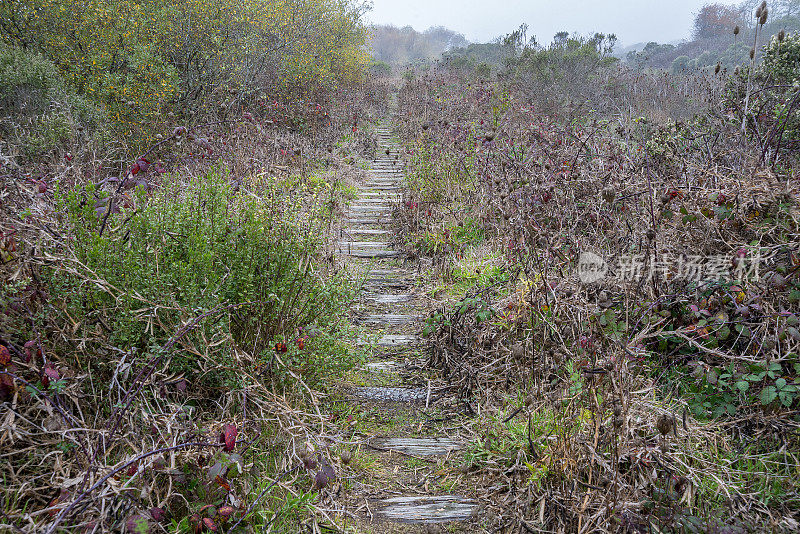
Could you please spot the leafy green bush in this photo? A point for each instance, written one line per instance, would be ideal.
(27, 81)
(782, 59)
(193, 246)
(39, 109)
(680, 64)
(143, 60)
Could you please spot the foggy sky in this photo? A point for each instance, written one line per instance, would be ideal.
(632, 20)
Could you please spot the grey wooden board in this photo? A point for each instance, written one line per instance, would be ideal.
(417, 446)
(382, 214)
(391, 272)
(378, 284)
(389, 298)
(424, 509)
(376, 254)
(364, 244)
(374, 209)
(383, 366)
(369, 231)
(391, 394)
(364, 220)
(394, 340)
(386, 285)
(391, 188)
(375, 203)
(389, 319)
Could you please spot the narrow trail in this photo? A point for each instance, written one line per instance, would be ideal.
(408, 467)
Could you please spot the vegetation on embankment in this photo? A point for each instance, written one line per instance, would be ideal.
(169, 307)
(616, 257)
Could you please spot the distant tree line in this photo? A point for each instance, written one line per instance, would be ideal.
(722, 35)
(403, 46)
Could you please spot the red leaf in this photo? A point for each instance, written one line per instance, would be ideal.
(158, 514)
(229, 433)
(6, 388)
(222, 483)
(51, 373)
(225, 512)
(5, 356)
(48, 375)
(209, 524)
(60, 498)
(132, 469)
(31, 349)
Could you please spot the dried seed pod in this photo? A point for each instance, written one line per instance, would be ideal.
(736, 30)
(717, 68)
(763, 19)
(758, 12)
(781, 36)
(346, 456)
(664, 424)
(752, 53)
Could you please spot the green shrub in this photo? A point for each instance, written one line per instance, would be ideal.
(40, 111)
(380, 68)
(782, 60)
(27, 81)
(193, 246)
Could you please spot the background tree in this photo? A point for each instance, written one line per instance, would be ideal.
(714, 20)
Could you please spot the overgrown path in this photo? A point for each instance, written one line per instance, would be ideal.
(410, 443)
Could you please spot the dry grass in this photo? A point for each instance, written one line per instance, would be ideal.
(587, 416)
(94, 435)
